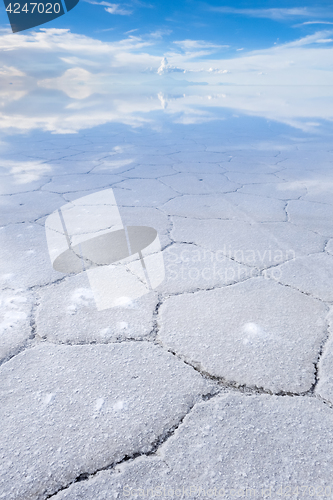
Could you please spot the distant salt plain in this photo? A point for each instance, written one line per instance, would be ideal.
(217, 383)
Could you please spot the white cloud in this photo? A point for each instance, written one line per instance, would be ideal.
(63, 44)
(324, 40)
(189, 45)
(308, 40)
(312, 22)
(112, 8)
(106, 29)
(194, 49)
(10, 71)
(277, 14)
(165, 67)
(160, 33)
(115, 10)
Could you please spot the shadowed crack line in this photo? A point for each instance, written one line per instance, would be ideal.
(154, 447)
(228, 385)
(24, 347)
(316, 364)
(28, 344)
(308, 294)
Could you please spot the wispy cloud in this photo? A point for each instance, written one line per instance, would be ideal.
(143, 4)
(106, 29)
(324, 40)
(193, 49)
(319, 37)
(277, 14)
(188, 45)
(112, 8)
(312, 22)
(62, 42)
(160, 33)
(197, 48)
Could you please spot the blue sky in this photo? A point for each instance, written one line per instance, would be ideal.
(239, 24)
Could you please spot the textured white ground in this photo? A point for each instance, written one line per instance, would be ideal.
(217, 384)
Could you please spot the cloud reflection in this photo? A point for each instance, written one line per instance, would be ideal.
(93, 82)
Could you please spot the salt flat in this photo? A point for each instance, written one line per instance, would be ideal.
(219, 382)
